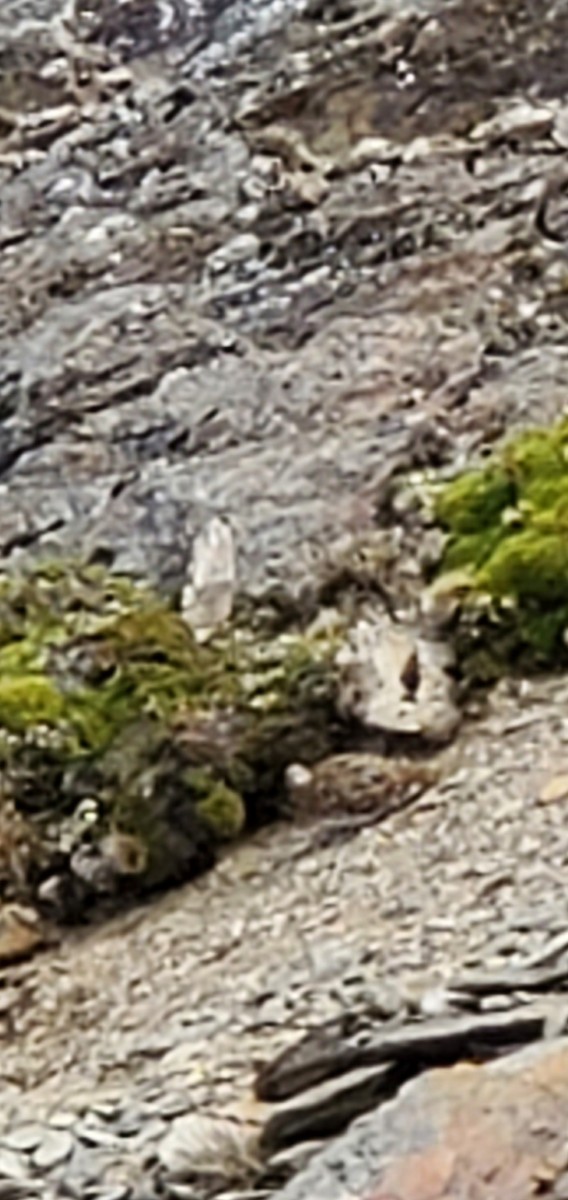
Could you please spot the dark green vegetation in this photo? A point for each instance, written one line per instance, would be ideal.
(128, 751)
(507, 553)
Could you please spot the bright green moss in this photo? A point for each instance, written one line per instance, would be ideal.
(29, 700)
(472, 503)
(220, 806)
(508, 527)
(54, 598)
(223, 811)
(529, 566)
(471, 549)
(536, 456)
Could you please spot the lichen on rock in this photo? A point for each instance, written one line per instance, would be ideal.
(505, 565)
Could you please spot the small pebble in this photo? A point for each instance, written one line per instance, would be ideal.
(26, 1137)
(56, 1146)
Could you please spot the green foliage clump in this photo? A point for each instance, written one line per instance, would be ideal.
(108, 701)
(220, 806)
(474, 502)
(28, 700)
(507, 526)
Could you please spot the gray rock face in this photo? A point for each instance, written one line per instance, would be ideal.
(257, 258)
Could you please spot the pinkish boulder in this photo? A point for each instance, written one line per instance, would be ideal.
(493, 1132)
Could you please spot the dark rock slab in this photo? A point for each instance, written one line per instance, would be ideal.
(328, 1109)
(328, 1052)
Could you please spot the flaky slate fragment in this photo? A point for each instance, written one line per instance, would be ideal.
(328, 1052)
(516, 979)
(329, 1108)
(496, 1131)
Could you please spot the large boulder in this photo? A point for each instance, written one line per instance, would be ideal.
(496, 1132)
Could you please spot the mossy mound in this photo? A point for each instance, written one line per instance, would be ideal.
(507, 553)
(129, 751)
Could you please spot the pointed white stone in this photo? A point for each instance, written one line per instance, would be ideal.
(207, 601)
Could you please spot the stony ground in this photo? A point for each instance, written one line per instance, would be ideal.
(164, 1011)
(254, 276)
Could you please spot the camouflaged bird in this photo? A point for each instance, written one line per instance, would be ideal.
(357, 784)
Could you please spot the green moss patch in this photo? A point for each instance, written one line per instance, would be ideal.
(118, 729)
(507, 526)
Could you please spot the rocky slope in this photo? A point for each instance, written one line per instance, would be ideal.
(260, 259)
(111, 1036)
(256, 275)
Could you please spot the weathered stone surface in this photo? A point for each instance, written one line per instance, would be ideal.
(496, 1131)
(395, 681)
(260, 257)
(207, 601)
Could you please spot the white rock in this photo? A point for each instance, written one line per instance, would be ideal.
(25, 1137)
(438, 1002)
(244, 247)
(208, 600)
(560, 130)
(11, 1165)
(394, 680)
(299, 782)
(521, 117)
(202, 1145)
(56, 1146)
